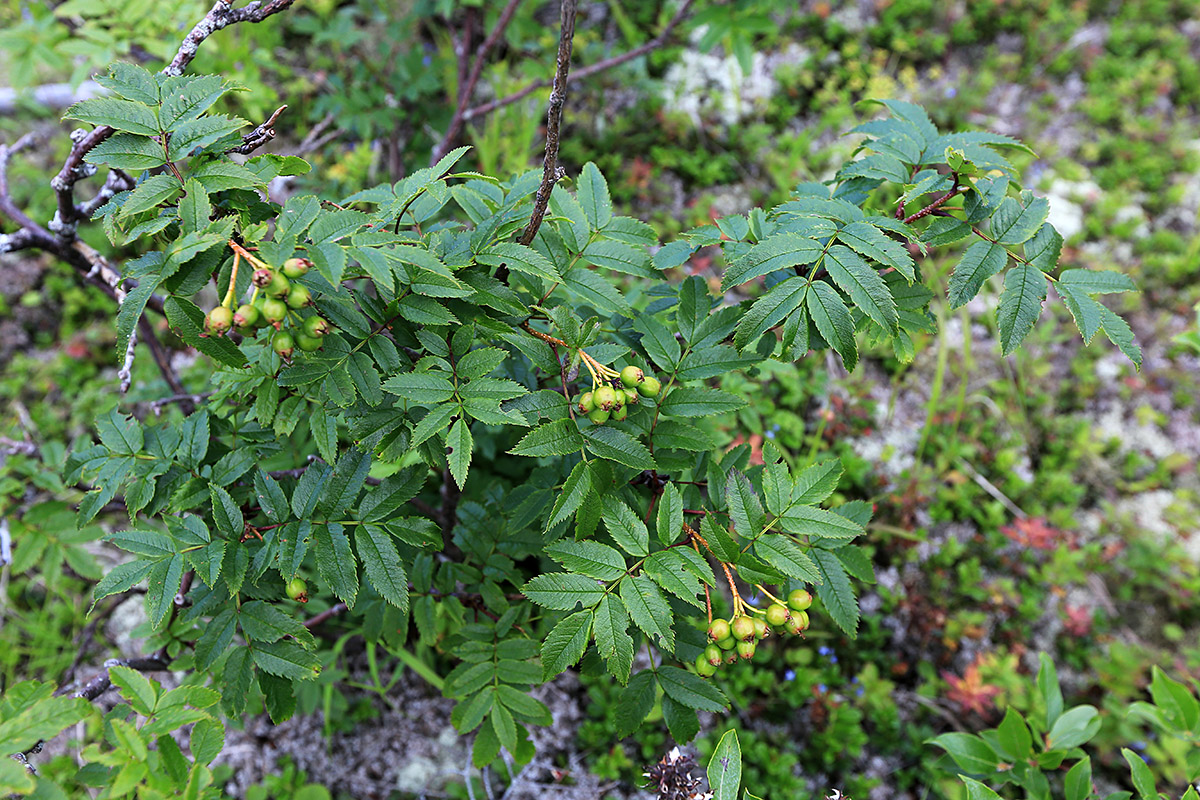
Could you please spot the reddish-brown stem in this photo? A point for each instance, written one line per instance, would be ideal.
(936, 204)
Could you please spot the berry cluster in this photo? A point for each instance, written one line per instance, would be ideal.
(611, 401)
(276, 301)
(738, 637)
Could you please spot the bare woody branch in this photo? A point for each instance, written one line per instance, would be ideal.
(558, 98)
(467, 87)
(259, 136)
(584, 72)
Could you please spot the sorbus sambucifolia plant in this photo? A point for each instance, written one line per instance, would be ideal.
(398, 412)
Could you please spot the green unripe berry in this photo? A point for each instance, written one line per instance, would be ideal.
(798, 623)
(742, 628)
(777, 615)
(760, 627)
(619, 413)
(297, 589)
(599, 416)
(587, 403)
(605, 397)
(631, 376)
(746, 650)
(308, 343)
(274, 311)
(799, 600)
(247, 316)
(317, 327)
(731, 657)
(278, 287)
(713, 655)
(651, 387)
(283, 344)
(262, 277)
(728, 643)
(295, 267)
(704, 669)
(299, 297)
(631, 396)
(718, 629)
(618, 398)
(218, 321)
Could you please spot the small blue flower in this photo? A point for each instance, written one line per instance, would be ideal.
(854, 679)
(777, 427)
(860, 691)
(427, 60)
(770, 434)
(1139, 745)
(823, 650)
(790, 675)
(821, 688)
(951, 91)
(833, 659)
(753, 600)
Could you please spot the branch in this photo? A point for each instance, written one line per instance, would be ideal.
(219, 16)
(162, 359)
(467, 88)
(100, 683)
(327, 614)
(586, 72)
(558, 98)
(259, 136)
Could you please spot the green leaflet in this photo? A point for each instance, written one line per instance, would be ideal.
(833, 321)
(1020, 305)
(981, 261)
(864, 285)
(835, 591)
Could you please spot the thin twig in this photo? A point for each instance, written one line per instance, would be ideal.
(467, 88)
(259, 136)
(585, 72)
(558, 98)
(327, 614)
